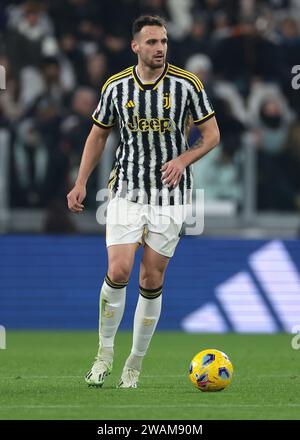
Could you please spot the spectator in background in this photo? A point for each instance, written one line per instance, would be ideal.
(201, 65)
(69, 47)
(273, 128)
(243, 52)
(291, 163)
(96, 71)
(67, 15)
(118, 22)
(290, 41)
(51, 79)
(30, 33)
(260, 92)
(196, 41)
(91, 37)
(247, 54)
(49, 119)
(11, 104)
(232, 128)
(6, 139)
(221, 27)
(40, 168)
(116, 40)
(155, 7)
(221, 173)
(55, 85)
(74, 131)
(29, 165)
(274, 188)
(118, 51)
(181, 17)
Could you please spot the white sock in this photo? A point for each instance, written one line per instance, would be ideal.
(111, 305)
(146, 317)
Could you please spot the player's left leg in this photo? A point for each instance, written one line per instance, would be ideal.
(147, 313)
(164, 226)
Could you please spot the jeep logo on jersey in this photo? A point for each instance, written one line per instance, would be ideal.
(162, 125)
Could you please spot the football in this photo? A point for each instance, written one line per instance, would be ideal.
(211, 370)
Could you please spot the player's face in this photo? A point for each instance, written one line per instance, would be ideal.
(151, 46)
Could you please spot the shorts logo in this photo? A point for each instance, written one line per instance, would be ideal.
(167, 100)
(162, 125)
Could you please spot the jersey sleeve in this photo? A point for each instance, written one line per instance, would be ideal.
(200, 106)
(105, 115)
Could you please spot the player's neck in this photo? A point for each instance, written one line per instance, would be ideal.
(147, 75)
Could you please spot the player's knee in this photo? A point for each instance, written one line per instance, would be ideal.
(151, 279)
(119, 272)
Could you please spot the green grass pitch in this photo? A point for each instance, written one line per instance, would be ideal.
(42, 377)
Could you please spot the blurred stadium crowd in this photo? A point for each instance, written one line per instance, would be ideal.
(57, 54)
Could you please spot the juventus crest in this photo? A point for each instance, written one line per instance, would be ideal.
(167, 100)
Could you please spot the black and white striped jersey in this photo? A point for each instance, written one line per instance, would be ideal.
(152, 121)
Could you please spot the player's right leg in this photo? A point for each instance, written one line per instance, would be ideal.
(111, 308)
(124, 229)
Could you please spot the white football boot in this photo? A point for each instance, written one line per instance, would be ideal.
(101, 368)
(129, 378)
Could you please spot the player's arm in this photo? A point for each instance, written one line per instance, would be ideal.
(210, 136)
(92, 152)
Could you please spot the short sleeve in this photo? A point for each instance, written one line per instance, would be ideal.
(105, 115)
(200, 106)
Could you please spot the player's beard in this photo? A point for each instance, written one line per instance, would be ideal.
(154, 63)
(159, 62)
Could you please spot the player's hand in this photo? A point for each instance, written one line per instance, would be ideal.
(172, 172)
(76, 197)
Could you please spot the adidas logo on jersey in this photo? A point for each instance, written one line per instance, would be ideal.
(129, 104)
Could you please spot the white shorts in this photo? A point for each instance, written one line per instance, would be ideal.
(159, 227)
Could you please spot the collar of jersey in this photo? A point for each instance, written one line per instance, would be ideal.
(149, 86)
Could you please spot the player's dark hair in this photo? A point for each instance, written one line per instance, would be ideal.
(147, 20)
